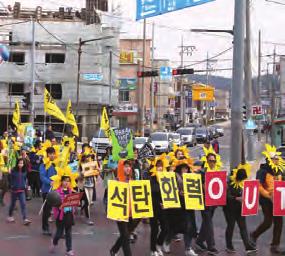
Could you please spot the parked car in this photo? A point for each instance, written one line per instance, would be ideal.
(202, 135)
(220, 130)
(100, 142)
(140, 141)
(161, 142)
(175, 138)
(188, 136)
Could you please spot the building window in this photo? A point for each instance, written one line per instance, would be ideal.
(124, 96)
(16, 89)
(55, 57)
(17, 57)
(55, 90)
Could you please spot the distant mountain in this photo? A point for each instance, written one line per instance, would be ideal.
(218, 82)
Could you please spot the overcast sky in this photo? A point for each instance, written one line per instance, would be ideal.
(268, 17)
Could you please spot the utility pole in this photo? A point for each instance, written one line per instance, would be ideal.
(78, 77)
(259, 82)
(182, 92)
(207, 83)
(110, 76)
(32, 88)
(237, 85)
(248, 83)
(142, 95)
(273, 88)
(152, 112)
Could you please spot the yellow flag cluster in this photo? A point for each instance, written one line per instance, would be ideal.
(105, 124)
(51, 108)
(16, 115)
(70, 119)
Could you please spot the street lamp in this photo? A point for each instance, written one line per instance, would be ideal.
(81, 43)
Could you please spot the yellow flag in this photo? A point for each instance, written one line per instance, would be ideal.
(193, 191)
(141, 200)
(169, 190)
(51, 108)
(16, 115)
(118, 201)
(70, 119)
(105, 125)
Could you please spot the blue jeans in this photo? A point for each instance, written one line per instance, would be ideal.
(22, 198)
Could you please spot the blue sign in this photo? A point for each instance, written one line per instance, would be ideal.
(127, 83)
(250, 125)
(151, 8)
(165, 73)
(93, 77)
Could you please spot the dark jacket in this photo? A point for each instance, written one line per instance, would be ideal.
(35, 160)
(155, 193)
(18, 179)
(49, 135)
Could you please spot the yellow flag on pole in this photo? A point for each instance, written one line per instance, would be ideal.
(51, 108)
(70, 119)
(16, 115)
(105, 125)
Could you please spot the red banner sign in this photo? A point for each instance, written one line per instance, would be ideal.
(216, 188)
(71, 200)
(279, 198)
(250, 198)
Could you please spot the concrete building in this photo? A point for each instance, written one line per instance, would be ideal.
(222, 104)
(57, 35)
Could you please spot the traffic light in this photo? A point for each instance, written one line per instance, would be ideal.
(147, 73)
(182, 71)
(244, 118)
(26, 100)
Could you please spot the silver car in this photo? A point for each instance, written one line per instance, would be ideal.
(161, 142)
(188, 136)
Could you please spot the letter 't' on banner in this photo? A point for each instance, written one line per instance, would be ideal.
(279, 198)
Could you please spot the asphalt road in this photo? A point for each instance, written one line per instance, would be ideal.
(16, 239)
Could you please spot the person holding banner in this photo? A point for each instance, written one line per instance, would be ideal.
(158, 225)
(233, 209)
(123, 226)
(206, 233)
(63, 215)
(268, 173)
(47, 169)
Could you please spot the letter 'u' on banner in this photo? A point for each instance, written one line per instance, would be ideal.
(250, 198)
(118, 201)
(168, 190)
(141, 200)
(216, 188)
(279, 198)
(193, 191)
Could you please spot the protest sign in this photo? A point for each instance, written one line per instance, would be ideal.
(141, 200)
(90, 169)
(216, 188)
(193, 191)
(146, 151)
(118, 201)
(122, 142)
(279, 198)
(71, 200)
(168, 190)
(250, 198)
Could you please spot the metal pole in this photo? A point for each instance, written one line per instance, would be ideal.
(142, 87)
(248, 83)
(152, 112)
(206, 102)
(110, 77)
(32, 117)
(237, 85)
(78, 77)
(182, 93)
(273, 88)
(259, 82)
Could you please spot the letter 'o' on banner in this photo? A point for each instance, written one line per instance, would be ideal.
(279, 198)
(250, 198)
(216, 188)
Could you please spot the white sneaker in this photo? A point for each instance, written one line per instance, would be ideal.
(159, 250)
(190, 252)
(154, 253)
(10, 219)
(166, 247)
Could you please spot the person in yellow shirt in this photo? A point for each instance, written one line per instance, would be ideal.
(4, 181)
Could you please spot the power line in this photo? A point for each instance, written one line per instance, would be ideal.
(275, 2)
(14, 23)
